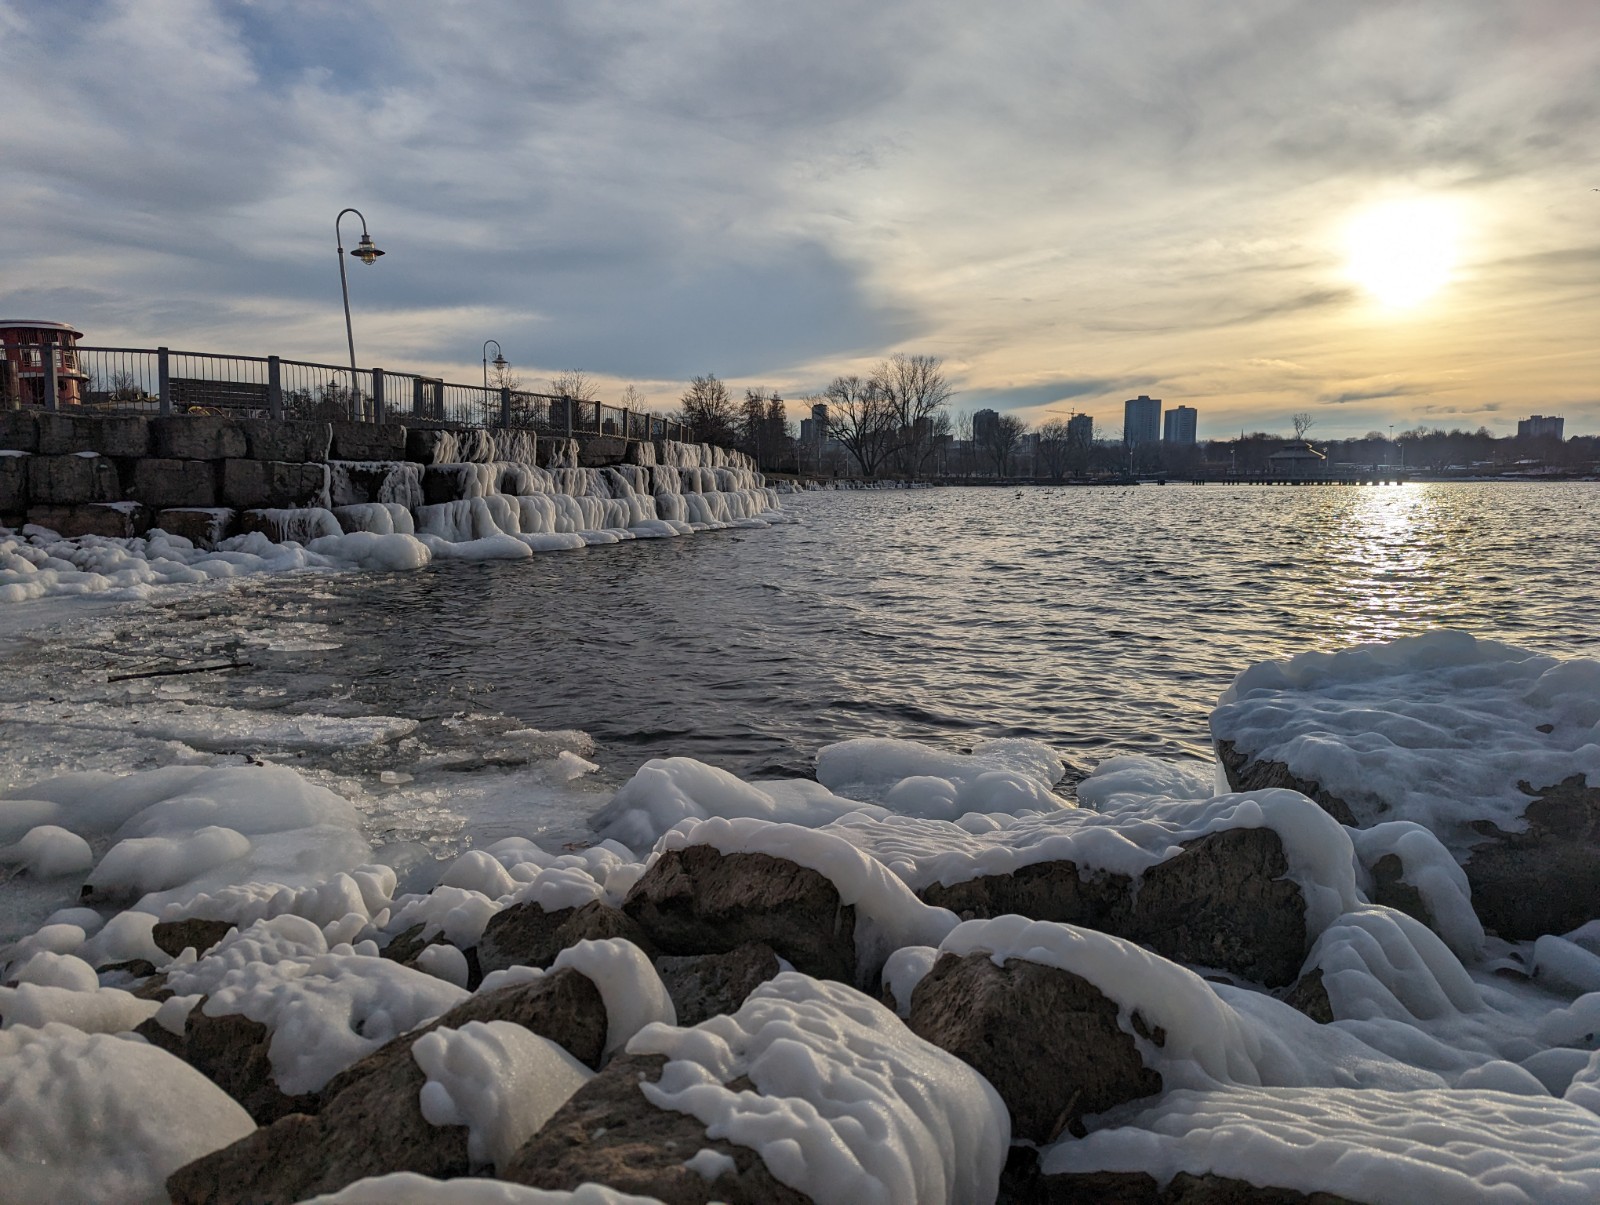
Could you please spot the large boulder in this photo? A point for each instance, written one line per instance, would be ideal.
(432, 445)
(697, 900)
(703, 986)
(174, 936)
(250, 484)
(369, 1121)
(299, 526)
(117, 520)
(1057, 891)
(1225, 902)
(197, 437)
(597, 451)
(202, 526)
(609, 1133)
(527, 935)
(1546, 878)
(368, 441)
(231, 1051)
(162, 483)
(19, 430)
(62, 432)
(1048, 1040)
(293, 440)
(72, 480)
(13, 482)
(1247, 773)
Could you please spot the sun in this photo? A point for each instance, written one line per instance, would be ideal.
(1403, 251)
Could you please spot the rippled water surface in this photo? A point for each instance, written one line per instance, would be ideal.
(1096, 619)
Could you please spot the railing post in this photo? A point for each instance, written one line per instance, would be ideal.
(52, 384)
(164, 380)
(627, 424)
(570, 404)
(438, 401)
(418, 405)
(505, 407)
(274, 388)
(377, 395)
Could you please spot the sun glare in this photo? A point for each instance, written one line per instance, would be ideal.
(1402, 252)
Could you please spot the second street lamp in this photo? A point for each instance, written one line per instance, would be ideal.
(500, 361)
(366, 252)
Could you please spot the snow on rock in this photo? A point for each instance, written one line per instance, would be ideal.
(848, 1105)
(324, 1008)
(499, 1080)
(406, 1188)
(633, 992)
(913, 779)
(1128, 778)
(87, 1117)
(1420, 1147)
(49, 851)
(1404, 864)
(1437, 729)
(666, 791)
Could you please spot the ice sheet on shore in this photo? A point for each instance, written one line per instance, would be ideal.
(1438, 728)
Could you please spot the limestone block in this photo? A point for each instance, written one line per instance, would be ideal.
(293, 440)
(283, 526)
(256, 484)
(72, 480)
(116, 520)
(201, 526)
(13, 482)
(163, 483)
(197, 437)
(432, 445)
(519, 446)
(597, 451)
(61, 432)
(368, 441)
(19, 430)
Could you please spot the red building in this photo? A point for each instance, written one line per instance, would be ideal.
(24, 348)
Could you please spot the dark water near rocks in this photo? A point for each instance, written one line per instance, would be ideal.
(1099, 620)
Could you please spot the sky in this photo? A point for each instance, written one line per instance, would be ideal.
(1378, 213)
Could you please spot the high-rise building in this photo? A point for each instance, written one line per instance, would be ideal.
(1177, 425)
(1080, 430)
(1141, 420)
(983, 425)
(1541, 426)
(814, 430)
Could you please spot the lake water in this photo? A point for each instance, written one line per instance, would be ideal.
(1099, 620)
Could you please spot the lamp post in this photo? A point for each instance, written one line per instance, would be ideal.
(499, 359)
(366, 253)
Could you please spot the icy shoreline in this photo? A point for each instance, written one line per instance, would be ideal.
(923, 975)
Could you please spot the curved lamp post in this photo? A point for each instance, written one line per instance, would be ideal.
(500, 360)
(366, 252)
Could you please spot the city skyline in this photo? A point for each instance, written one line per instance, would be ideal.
(1380, 215)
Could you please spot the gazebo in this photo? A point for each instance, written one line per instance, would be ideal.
(26, 347)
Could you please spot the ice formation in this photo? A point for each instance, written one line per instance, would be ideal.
(852, 1106)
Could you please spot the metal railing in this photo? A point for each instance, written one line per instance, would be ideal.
(159, 380)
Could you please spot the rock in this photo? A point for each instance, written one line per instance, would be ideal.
(1390, 890)
(1309, 996)
(1245, 773)
(116, 520)
(19, 430)
(1545, 879)
(13, 481)
(286, 526)
(201, 526)
(609, 1133)
(641, 452)
(197, 437)
(1055, 891)
(72, 480)
(269, 484)
(354, 483)
(161, 484)
(448, 483)
(432, 445)
(370, 1119)
(368, 441)
(295, 440)
(175, 936)
(703, 986)
(231, 1051)
(1224, 902)
(517, 446)
(526, 935)
(558, 453)
(696, 900)
(406, 945)
(1140, 1188)
(1048, 1040)
(597, 451)
(63, 432)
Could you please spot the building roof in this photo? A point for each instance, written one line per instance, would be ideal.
(38, 325)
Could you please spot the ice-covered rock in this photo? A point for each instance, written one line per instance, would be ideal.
(526, 934)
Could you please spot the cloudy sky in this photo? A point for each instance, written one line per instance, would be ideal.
(1378, 212)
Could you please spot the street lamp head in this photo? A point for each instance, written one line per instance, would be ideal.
(364, 250)
(501, 362)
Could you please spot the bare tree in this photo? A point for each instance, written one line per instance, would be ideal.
(707, 410)
(1000, 440)
(1303, 422)
(1055, 448)
(632, 399)
(915, 391)
(860, 418)
(575, 384)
